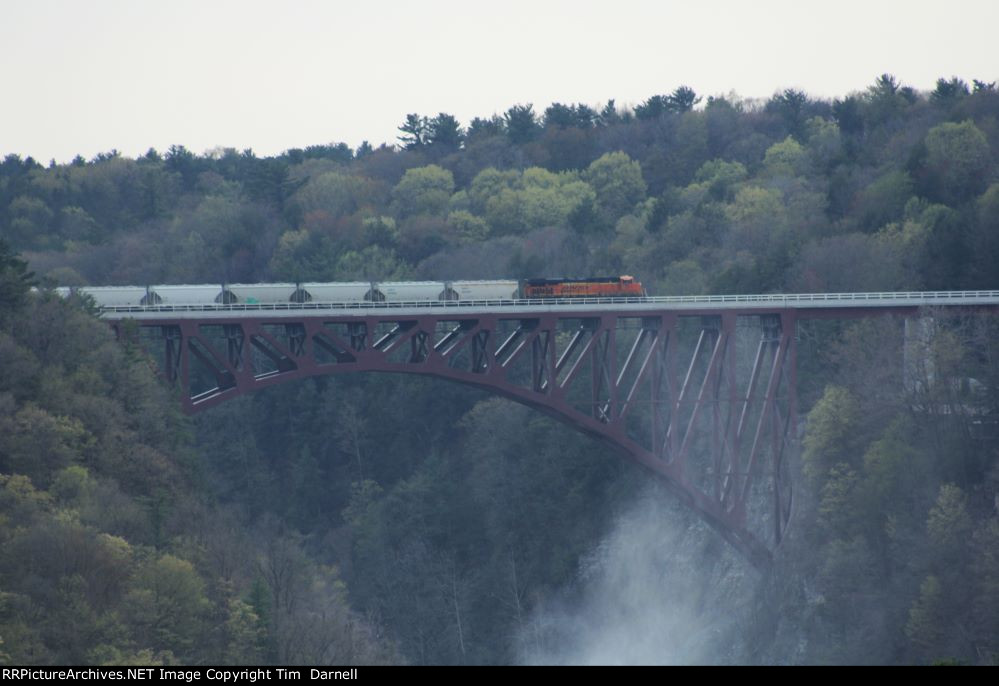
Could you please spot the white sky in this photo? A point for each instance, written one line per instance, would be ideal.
(85, 76)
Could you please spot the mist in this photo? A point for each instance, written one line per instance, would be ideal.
(661, 588)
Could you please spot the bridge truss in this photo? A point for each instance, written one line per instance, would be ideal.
(701, 390)
(705, 400)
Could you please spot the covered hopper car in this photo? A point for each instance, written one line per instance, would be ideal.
(356, 292)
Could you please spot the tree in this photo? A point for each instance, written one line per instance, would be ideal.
(653, 108)
(683, 100)
(985, 238)
(414, 131)
(847, 113)
(617, 181)
(609, 114)
(884, 200)
(373, 263)
(521, 124)
(423, 190)
(957, 162)
(182, 161)
(721, 177)
(487, 184)
(927, 626)
(444, 132)
(851, 261)
(886, 99)
(985, 566)
(569, 116)
(559, 115)
(947, 92)
(266, 180)
(831, 435)
(679, 101)
(466, 227)
(758, 219)
(15, 282)
(335, 193)
(167, 606)
(885, 85)
(586, 116)
(787, 158)
(790, 106)
(949, 525)
(31, 222)
(339, 152)
(481, 128)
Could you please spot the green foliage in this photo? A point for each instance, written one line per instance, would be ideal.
(825, 142)
(106, 502)
(38, 444)
(445, 133)
(373, 263)
(720, 177)
(791, 107)
(957, 162)
(885, 199)
(30, 221)
(684, 277)
(949, 526)
(679, 101)
(521, 124)
(829, 439)
(333, 193)
(414, 131)
(424, 190)
(512, 202)
(787, 158)
(926, 626)
(886, 99)
(466, 227)
(948, 91)
(95, 473)
(894, 472)
(15, 282)
(167, 606)
(757, 217)
(380, 230)
(984, 240)
(617, 181)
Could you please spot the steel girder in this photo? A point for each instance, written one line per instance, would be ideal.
(705, 400)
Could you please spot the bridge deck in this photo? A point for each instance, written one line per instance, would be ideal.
(803, 303)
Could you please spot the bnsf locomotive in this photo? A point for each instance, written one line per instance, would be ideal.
(610, 287)
(359, 291)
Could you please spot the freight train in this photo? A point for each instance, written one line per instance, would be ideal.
(357, 292)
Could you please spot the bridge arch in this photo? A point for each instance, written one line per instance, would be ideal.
(704, 400)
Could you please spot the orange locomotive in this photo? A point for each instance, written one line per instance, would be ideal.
(609, 287)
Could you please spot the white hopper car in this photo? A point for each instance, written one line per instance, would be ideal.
(274, 293)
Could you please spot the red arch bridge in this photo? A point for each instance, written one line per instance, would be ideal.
(700, 390)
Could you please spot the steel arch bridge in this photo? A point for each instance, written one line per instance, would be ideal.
(700, 390)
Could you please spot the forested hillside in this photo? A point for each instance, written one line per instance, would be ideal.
(334, 521)
(113, 553)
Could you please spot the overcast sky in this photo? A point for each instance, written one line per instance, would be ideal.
(85, 76)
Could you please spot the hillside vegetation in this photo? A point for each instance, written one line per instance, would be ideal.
(365, 519)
